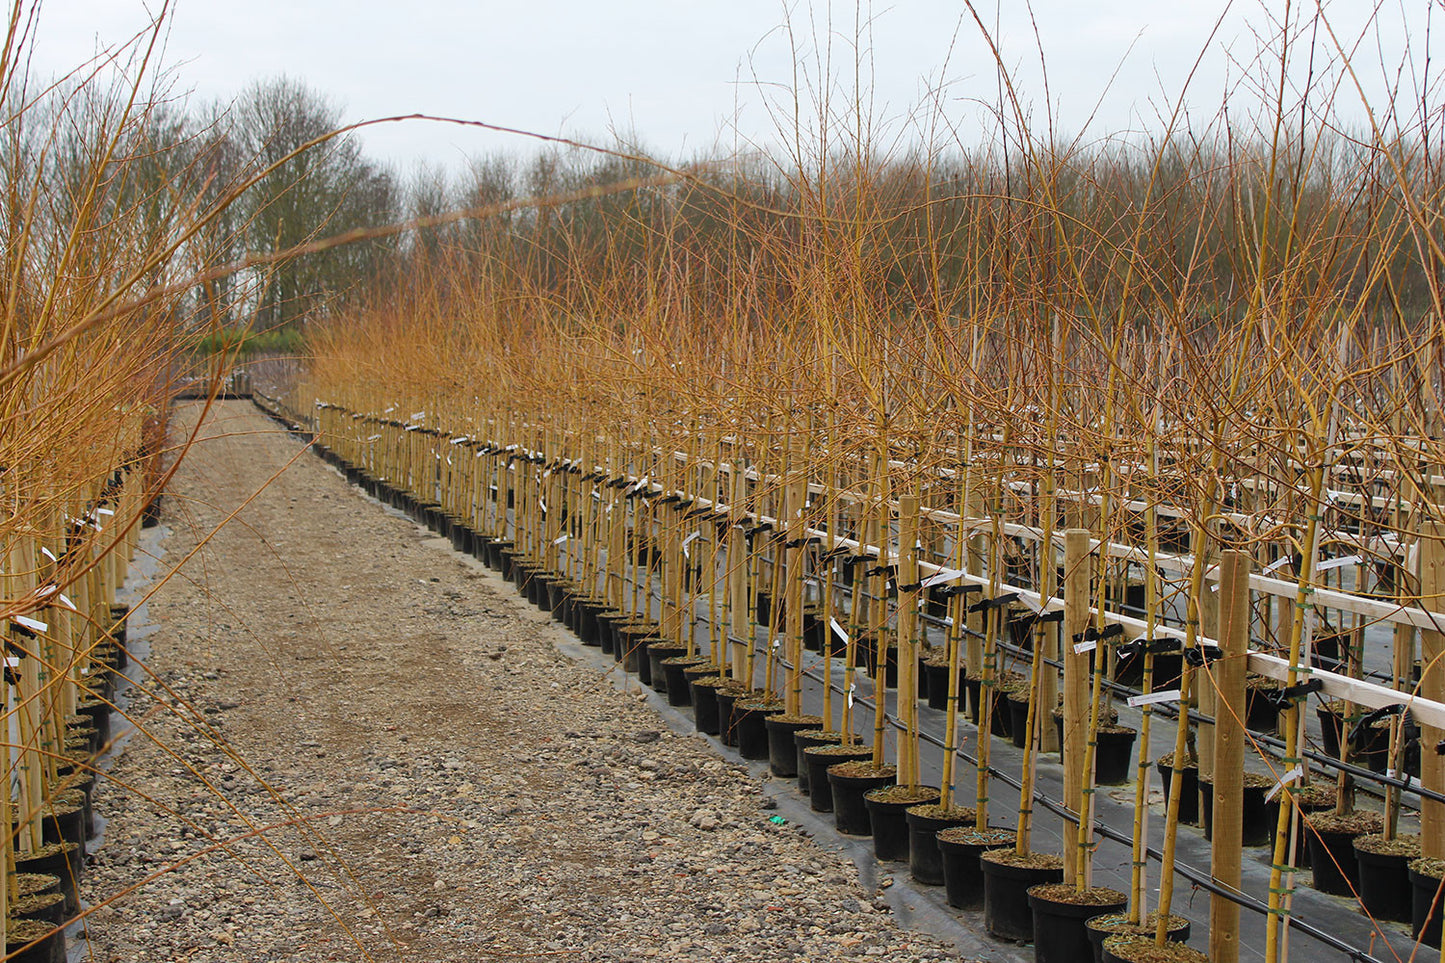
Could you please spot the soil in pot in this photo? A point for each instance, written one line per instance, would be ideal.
(41, 907)
(750, 720)
(1331, 840)
(45, 941)
(1130, 948)
(818, 759)
(704, 702)
(960, 848)
(782, 750)
(1007, 877)
(1315, 798)
(888, 816)
(1060, 912)
(1384, 868)
(925, 861)
(1427, 903)
(1108, 716)
(1100, 928)
(850, 782)
(676, 682)
(1188, 792)
(1258, 817)
(625, 637)
(56, 859)
(806, 739)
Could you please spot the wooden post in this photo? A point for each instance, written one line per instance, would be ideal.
(1077, 578)
(1228, 768)
(908, 638)
(737, 577)
(1432, 686)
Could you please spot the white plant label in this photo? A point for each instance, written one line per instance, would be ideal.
(688, 541)
(1328, 564)
(1081, 647)
(1167, 695)
(34, 625)
(1289, 777)
(105, 511)
(543, 503)
(65, 601)
(46, 591)
(48, 554)
(560, 539)
(850, 694)
(1277, 563)
(838, 630)
(943, 575)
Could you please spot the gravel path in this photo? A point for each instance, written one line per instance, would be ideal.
(360, 748)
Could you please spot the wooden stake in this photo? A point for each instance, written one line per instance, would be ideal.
(1228, 768)
(1077, 578)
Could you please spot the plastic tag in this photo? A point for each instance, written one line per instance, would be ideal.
(1167, 695)
(34, 625)
(1328, 564)
(560, 539)
(838, 630)
(1081, 647)
(1285, 780)
(943, 575)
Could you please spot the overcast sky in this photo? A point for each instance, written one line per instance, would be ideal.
(684, 75)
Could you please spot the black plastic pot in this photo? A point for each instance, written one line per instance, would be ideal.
(1188, 791)
(558, 591)
(1129, 671)
(925, 861)
(726, 699)
(960, 849)
(806, 739)
(1006, 911)
(1425, 911)
(999, 722)
(1332, 857)
(605, 620)
(750, 721)
(1113, 755)
(1018, 717)
(656, 655)
(889, 821)
(704, 706)
(820, 789)
(937, 676)
(850, 809)
(46, 944)
(890, 669)
(640, 662)
(63, 860)
(782, 750)
(1098, 928)
(674, 679)
(99, 714)
(1261, 712)
(1258, 816)
(1060, 935)
(1385, 889)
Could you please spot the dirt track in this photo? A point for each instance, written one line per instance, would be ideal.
(358, 746)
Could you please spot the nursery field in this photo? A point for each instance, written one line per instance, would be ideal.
(360, 747)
